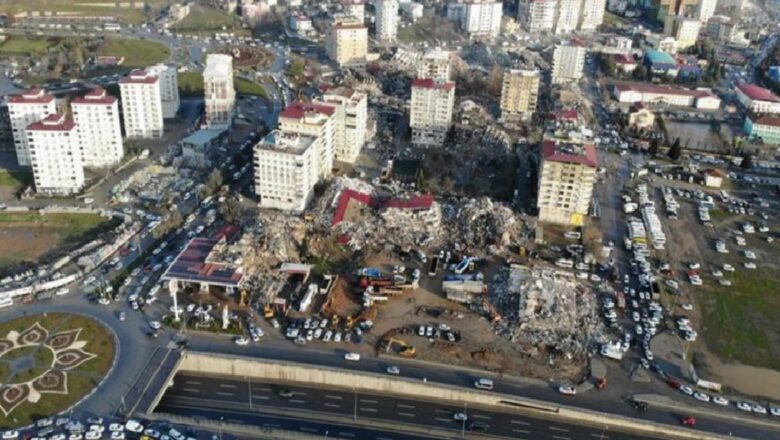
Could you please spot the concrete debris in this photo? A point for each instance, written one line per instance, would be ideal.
(546, 310)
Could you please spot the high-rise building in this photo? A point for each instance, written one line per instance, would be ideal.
(537, 15)
(478, 17)
(386, 24)
(568, 172)
(568, 16)
(431, 111)
(356, 9)
(286, 170)
(218, 90)
(350, 122)
(347, 42)
(519, 94)
(141, 105)
(706, 9)
(317, 120)
(670, 8)
(55, 155)
(96, 115)
(30, 106)
(169, 88)
(592, 14)
(684, 30)
(435, 65)
(568, 61)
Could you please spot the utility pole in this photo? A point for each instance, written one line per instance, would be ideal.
(354, 405)
(465, 416)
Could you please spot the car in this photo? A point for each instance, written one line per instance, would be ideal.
(459, 417)
(483, 384)
(758, 409)
(62, 291)
(104, 301)
(310, 335)
(89, 280)
(717, 274)
(285, 393)
(93, 435)
(393, 370)
(74, 426)
(326, 337)
(567, 390)
(274, 323)
(241, 340)
(687, 306)
(76, 436)
(744, 406)
(774, 411)
(42, 423)
(122, 316)
(718, 400)
(728, 268)
(10, 435)
(117, 435)
(477, 426)
(337, 337)
(354, 357)
(672, 283)
(96, 427)
(749, 265)
(58, 437)
(724, 282)
(153, 433)
(685, 389)
(114, 427)
(155, 325)
(701, 396)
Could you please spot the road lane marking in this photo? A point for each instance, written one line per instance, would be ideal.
(221, 393)
(443, 411)
(560, 437)
(347, 434)
(405, 414)
(226, 385)
(300, 393)
(479, 416)
(334, 397)
(368, 409)
(521, 431)
(520, 422)
(332, 405)
(240, 422)
(556, 428)
(402, 405)
(271, 425)
(600, 436)
(260, 389)
(368, 401)
(296, 401)
(261, 398)
(303, 428)
(442, 419)
(190, 390)
(193, 382)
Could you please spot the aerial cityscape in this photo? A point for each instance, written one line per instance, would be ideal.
(389, 219)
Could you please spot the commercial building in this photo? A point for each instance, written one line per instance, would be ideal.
(624, 62)
(685, 30)
(568, 16)
(169, 88)
(592, 14)
(30, 106)
(537, 15)
(317, 120)
(431, 111)
(757, 99)
(568, 62)
(347, 42)
(702, 99)
(435, 65)
(765, 128)
(477, 17)
(350, 122)
(141, 105)
(568, 172)
(96, 115)
(218, 90)
(386, 24)
(519, 94)
(55, 155)
(661, 63)
(722, 29)
(706, 9)
(286, 170)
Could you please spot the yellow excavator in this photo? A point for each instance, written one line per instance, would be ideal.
(268, 312)
(404, 349)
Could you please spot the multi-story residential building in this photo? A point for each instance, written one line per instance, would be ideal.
(219, 92)
(141, 105)
(685, 30)
(537, 15)
(286, 170)
(568, 16)
(765, 128)
(356, 9)
(96, 115)
(592, 14)
(670, 8)
(519, 93)
(386, 24)
(347, 42)
(568, 62)
(757, 99)
(55, 155)
(722, 29)
(568, 172)
(431, 111)
(477, 17)
(169, 88)
(30, 106)
(435, 65)
(350, 122)
(706, 9)
(317, 120)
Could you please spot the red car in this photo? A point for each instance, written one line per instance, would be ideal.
(688, 421)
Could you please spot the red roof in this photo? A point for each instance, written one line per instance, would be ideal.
(32, 96)
(298, 109)
(53, 122)
(757, 93)
(553, 152)
(350, 26)
(431, 84)
(139, 77)
(621, 58)
(418, 202)
(567, 114)
(95, 96)
(665, 90)
(772, 121)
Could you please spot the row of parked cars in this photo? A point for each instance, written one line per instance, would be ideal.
(95, 428)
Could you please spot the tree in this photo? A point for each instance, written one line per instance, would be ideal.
(654, 145)
(675, 151)
(747, 161)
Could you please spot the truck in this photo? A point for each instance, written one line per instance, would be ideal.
(370, 272)
(376, 282)
(434, 267)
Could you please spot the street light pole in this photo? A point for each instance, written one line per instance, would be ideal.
(354, 405)
(465, 416)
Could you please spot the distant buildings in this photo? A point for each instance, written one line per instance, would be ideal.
(347, 42)
(141, 105)
(169, 88)
(350, 122)
(592, 14)
(386, 24)
(519, 94)
(356, 9)
(706, 9)
(568, 62)
(317, 120)
(568, 16)
(435, 65)
(431, 111)
(568, 172)
(626, 63)
(765, 128)
(669, 8)
(24, 109)
(55, 155)
(537, 15)
(219, 92)
(721, 28)
(96, 115)
(477, 17)
(685, 30)
(286, 170)
(702, 99)
(757, 99)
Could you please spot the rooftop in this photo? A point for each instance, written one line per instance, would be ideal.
(218, 64)
(658, 57)
(139, 77)
(663, 90)
(282, 142)
(772, 121)
(53, 122)
(583, 154)
(298, 110)
(757, 93)
(31, 96)
(191, 265)
(97, 95)
(428, 83)
(621, 58)
(202, 137)
(424, 201)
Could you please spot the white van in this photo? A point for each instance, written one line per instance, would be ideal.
(483, 384)
(352, 357)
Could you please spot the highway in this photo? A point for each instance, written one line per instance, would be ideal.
(242, 401)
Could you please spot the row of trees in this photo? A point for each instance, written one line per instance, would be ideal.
(675, 153)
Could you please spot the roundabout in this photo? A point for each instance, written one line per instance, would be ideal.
(49, 362)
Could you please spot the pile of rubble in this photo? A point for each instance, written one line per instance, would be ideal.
(481, 223)
(547, 311)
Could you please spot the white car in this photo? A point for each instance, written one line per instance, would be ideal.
(701, 396)
(724, 282)
(750, 255)
(750, 265)
(717, 273)
(728, 268)
(694, 266)
(96, 428)
(153, 433)
(354, 357)
(774, 411)
(460, 417)
(687, 306)
(155, 325)
(672, 283)
(758, 409)
(118, 435)
(62, 291)
(242, 340)
(93, 435)
(744, 406)
(114, 427)
(392, 369)
(720, 400)
(685, 389)
(567, 390)
(10, 435)
(76, 436)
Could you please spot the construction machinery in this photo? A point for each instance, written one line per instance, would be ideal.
(400, 347)
(268, 312)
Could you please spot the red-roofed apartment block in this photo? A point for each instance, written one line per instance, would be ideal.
(758, 99)
(568, 172)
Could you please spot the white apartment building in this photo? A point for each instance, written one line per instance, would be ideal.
(568, 62)
(169, 88)
(706, 9)
(347, 42)
(758, 99)
(317, 120)
(350, 123)
(30, 106)
(519, 94)
(386, 24)
(356, 9)
(477, 17)
(219, 92)
(568, 172)
(537, 15)
(431, 111)
(684, 30)
(141, 105)
(568, 16)
(286, 170)
(592, 14)
(55, 155)
(435, 65)
(96, 115)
